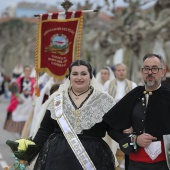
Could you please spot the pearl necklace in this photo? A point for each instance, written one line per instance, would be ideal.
(77, 95)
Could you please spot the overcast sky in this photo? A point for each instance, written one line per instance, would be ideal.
(5, 3)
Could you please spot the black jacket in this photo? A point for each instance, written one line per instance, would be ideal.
(129, 111)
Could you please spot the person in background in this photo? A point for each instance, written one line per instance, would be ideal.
(166, 80)
(21, 102)
(118, 88)
(33, 116)
(46, 87)
(4, 80)
(17, 71)
(54, 88)
(105, 75)
(2, 85)
(146, 109)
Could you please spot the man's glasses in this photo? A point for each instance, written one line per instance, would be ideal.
(154, 70)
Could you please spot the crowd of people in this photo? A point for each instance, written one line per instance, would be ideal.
(88, 122)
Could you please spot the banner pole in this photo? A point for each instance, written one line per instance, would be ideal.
(84, 11)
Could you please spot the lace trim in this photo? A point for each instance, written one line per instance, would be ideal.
(91, 112)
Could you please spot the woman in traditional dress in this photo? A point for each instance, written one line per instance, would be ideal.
(21, 102)
(84, 105)
(104, 76)
(73, 140)
(2, 86)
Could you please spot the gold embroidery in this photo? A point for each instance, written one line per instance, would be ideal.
(126, 145)
(77, 114)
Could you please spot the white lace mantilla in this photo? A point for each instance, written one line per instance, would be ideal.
(92, 111)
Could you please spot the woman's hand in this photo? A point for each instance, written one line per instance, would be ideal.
(128, 131)
(20, 101)
(27, 92)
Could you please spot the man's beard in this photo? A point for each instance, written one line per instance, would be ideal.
(150, 83)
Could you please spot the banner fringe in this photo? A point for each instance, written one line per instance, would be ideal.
(79, 37)
(37, 90)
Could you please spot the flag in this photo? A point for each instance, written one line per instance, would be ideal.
(58, 41)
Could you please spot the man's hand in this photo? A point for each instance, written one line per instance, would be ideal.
(27, 92)
(145, 139)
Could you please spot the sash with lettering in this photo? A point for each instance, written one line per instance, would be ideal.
(55, 42)
(70, 135)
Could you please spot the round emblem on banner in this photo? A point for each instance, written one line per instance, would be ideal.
(59, 44)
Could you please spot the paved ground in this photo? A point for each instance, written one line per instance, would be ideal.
(5, 152)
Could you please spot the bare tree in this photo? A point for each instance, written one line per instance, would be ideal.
(133, 28)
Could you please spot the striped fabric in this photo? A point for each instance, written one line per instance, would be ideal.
(11, 126)
(71, 14)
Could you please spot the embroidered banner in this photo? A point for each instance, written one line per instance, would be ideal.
(55, 45)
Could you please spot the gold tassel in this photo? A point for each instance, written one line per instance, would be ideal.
(37, 90)
(79, 37)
